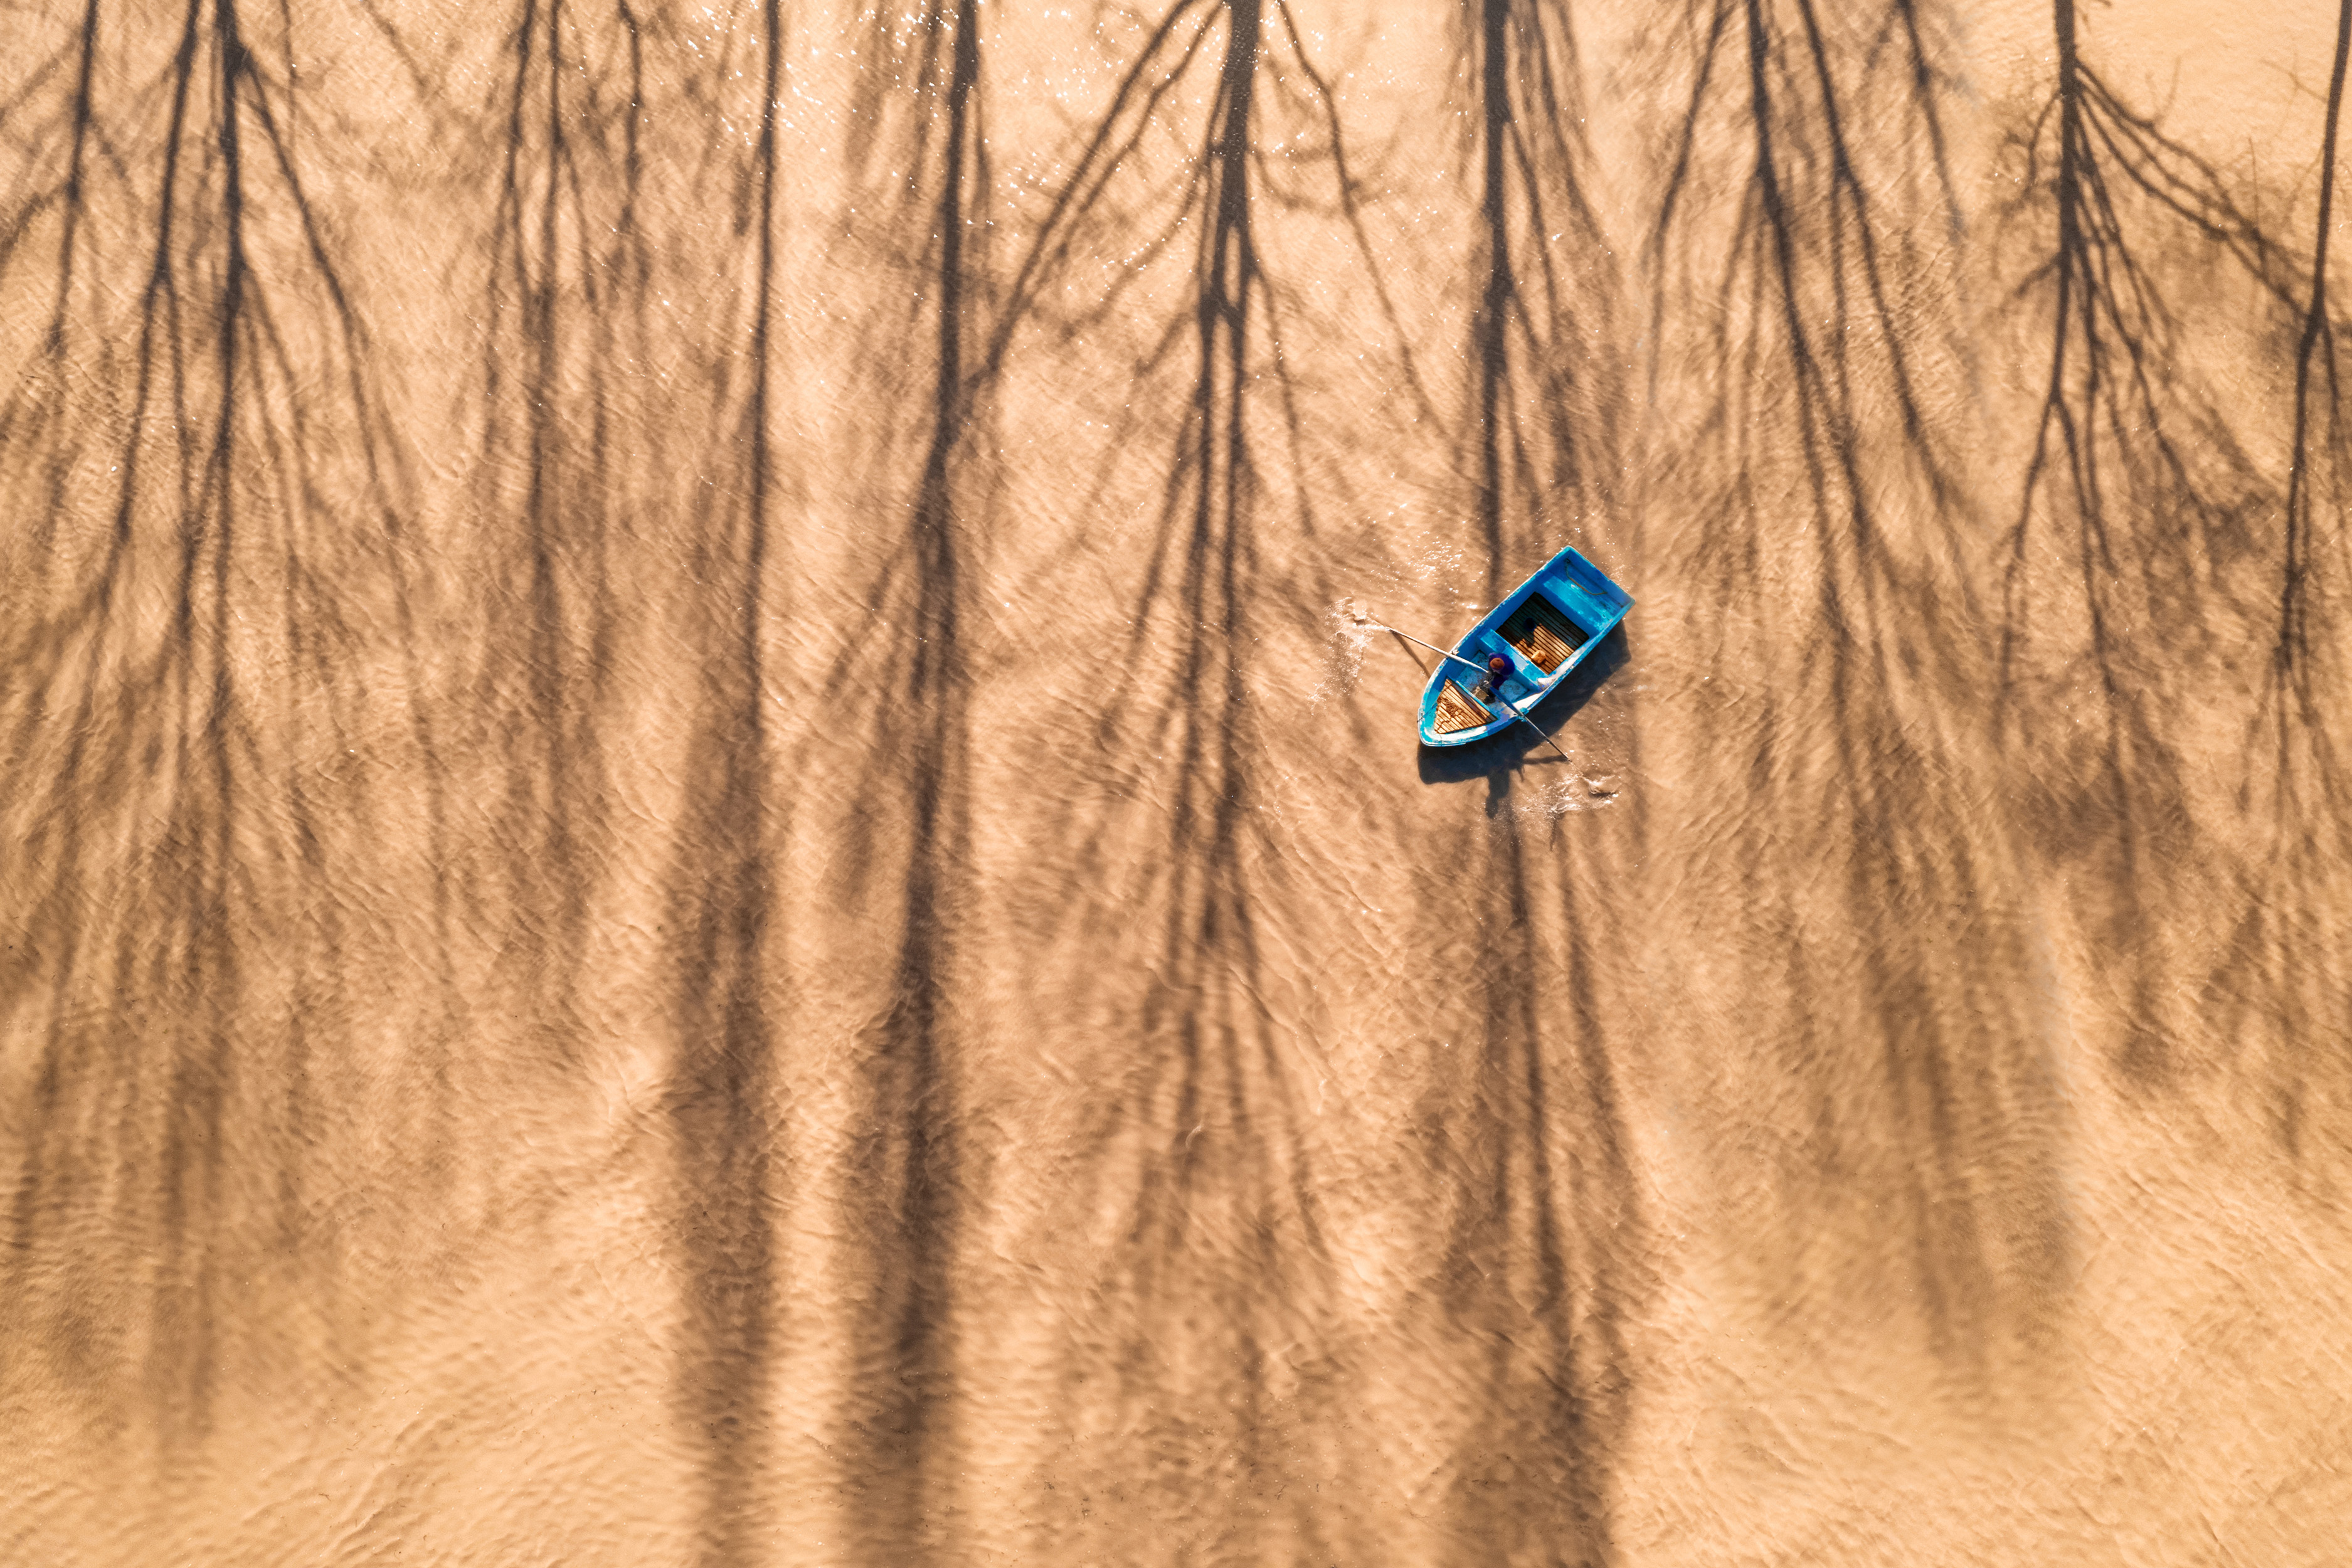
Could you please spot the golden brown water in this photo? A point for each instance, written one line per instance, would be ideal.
(704, 862)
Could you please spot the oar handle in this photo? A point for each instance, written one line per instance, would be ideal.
(1434, 648)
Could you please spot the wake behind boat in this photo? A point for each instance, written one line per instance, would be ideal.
(1543, 629)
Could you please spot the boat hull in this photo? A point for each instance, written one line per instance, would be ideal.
(1545, 626)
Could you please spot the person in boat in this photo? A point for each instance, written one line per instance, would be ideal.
(1498, 669)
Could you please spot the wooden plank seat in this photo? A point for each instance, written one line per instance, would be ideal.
(1457, 709)
(1543, 634)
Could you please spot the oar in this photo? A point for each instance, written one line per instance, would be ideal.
(1363, 620)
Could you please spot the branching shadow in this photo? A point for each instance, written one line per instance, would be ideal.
(909, 1181)
(566, 269)
(597, 457)
(175, 856)
(1527, 1288)
(1199, 1147)
(1829, 506)
(720, 885)
(2293, 892)
(2146, 502)
(1543, 345)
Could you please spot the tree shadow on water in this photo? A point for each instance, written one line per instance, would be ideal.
(2294, 893)
(1213, 1342)
(563, 273)
(1807, 286)
(719, 889)
(909, 1181)
(1535, 1232)
(188, 701)
(1533, 1212)
(2133, 564)
(2146, 596)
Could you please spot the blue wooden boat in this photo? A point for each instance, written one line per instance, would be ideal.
(1545, 627)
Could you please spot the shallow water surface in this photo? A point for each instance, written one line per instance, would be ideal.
(712, 857)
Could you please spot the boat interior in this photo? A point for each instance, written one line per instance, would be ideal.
(1543, 634)
(1539, 636)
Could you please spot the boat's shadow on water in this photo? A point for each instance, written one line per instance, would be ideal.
(1518, 746)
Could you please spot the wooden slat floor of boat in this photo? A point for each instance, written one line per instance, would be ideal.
(1457, 711)
(1542, 633)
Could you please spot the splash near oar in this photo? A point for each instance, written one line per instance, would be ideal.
(1519, 651)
